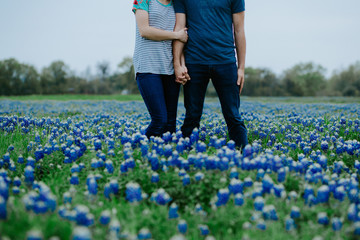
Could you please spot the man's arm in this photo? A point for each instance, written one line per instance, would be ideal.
(240, 43)
(178, 49)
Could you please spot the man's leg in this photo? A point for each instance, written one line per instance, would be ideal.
(224, 78)
(194, 96)
(171, 93)
(151, 89)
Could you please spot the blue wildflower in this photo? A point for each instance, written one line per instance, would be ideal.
(182, 226)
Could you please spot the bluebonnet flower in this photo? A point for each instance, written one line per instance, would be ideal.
(204, 230)
(6, 157)
(340, 193)
(352, 213)
(114, 185)
(92, 186)
(160, 197)
(81, 233)
(239, 199)
(15, 190)
(109, 166)
(336, 224)
(75, 168)
(123, 167)
(107, 190)
(144, 233)
(323, 194)
(30, 162)
(20, 159)
(279, 190)
(295, 212)
(248, 182)
(324, 146)
(261, 225)
(105, 217)
(29, 175)
(322, 218)
(173, 211)
(199, 176)
(236, 186)
(114, 226)
(281, 175)
(269, 213)
(223, 196)
(97, 144)
(186, 180)
(182, 226)
(234, 173)
(67, 197)
(133, 192)
(155, 177)
(290, 224)
(34, 235)
(198, 208)
(357, 228)
(83, 216)
(74, 180)
(267, 184)
(200, 147)
(259, 203)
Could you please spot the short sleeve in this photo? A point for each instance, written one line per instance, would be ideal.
(237, 6)
(141, 4)
(179, 6)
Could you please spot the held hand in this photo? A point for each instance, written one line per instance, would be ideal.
(182, 35)
(181, 75)
(241, 79)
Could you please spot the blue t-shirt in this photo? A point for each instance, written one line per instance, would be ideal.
(211, 38)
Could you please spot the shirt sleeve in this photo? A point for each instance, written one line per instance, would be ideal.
(179, 6)
(237, 6)
(141, 4)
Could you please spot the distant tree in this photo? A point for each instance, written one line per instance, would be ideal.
(10, 81)
(104, 69)
(30, 79)
(304, 79)
(261, 82)
(127, 80)
(54, 80)
(346, 82)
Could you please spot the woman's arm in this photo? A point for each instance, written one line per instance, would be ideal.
(146, 31)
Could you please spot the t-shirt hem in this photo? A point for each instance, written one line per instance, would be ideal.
(210, 63)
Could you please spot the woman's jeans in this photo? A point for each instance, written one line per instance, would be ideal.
(160, 94)
(224, 79)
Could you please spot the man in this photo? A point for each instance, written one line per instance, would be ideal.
(213, 27)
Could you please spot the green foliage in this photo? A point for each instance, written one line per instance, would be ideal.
(304, 79)
(346, 82)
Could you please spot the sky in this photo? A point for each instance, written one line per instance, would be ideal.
(82, 33)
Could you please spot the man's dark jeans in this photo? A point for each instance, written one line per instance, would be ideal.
(161, 95)
(224, 78)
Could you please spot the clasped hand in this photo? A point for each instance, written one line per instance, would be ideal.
(182, 75)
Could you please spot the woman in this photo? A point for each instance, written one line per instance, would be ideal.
(153, 62)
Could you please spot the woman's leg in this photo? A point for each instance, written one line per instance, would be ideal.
(171, 93)
(151, 89)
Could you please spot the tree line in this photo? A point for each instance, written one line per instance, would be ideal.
(304, 79)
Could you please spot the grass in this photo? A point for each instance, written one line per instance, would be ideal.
(66, 97)
(137, 97)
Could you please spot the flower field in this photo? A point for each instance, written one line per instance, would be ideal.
(84, 170)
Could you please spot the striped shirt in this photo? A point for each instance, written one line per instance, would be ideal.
(155, 56)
